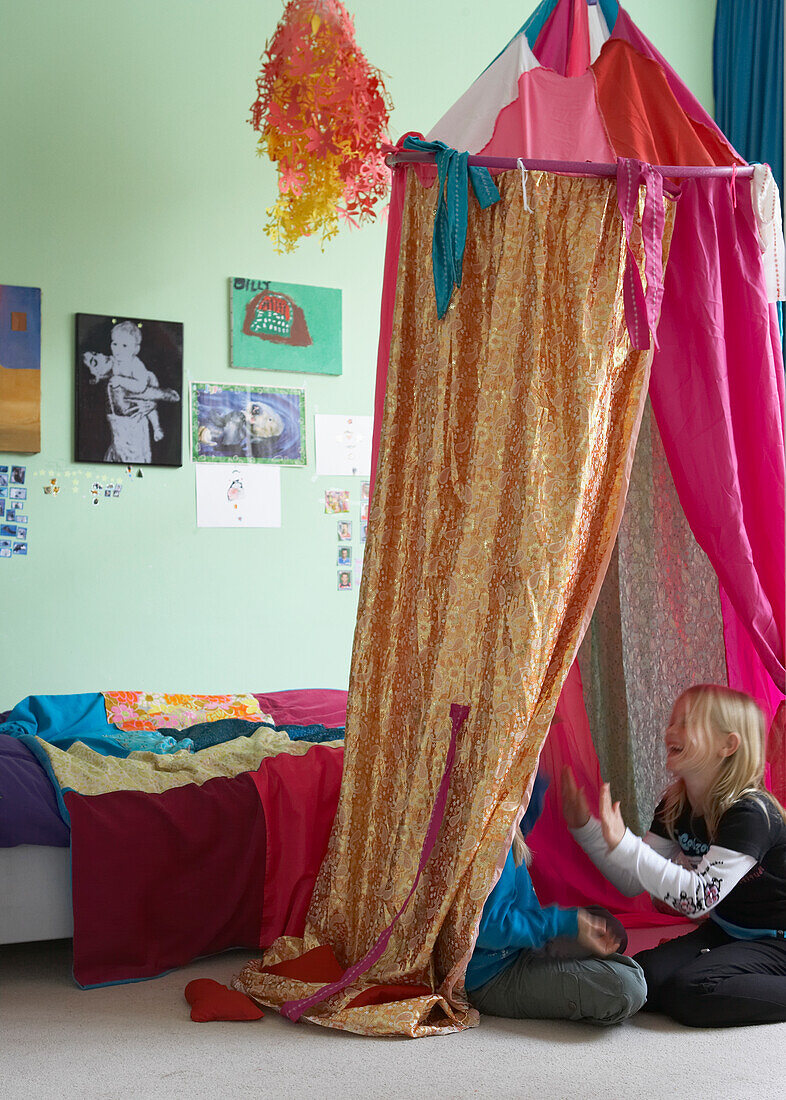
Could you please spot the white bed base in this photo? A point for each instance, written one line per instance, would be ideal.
(35, 893)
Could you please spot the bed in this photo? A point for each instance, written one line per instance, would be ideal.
(79, 861)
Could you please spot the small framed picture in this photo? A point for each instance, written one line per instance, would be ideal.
(5, 548)
(21, 533)
(363, 529)
(344, 530)
(344, 580)
(18, 475)
(8, 530)
(13, 515)
(129, 390)
(2, 507)
(16, 492)
(19, 549)
(344, 556)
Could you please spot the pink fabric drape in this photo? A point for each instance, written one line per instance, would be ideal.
(717, 393)
(561, 873)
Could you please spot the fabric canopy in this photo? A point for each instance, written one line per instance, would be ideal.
(504, 443)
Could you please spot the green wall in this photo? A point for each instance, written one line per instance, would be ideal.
(129, 184)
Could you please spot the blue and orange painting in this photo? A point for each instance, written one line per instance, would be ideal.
(20, 369)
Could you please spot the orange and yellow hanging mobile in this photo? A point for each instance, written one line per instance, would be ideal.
(322, 115)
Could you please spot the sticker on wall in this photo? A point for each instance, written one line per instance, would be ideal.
(52, 488)
(285, 326)
(344, 581)
(336, 500)
(129, 389)
(344, 527)
(20, 369)
(248, 424)
(343, 445)
(363, 529)
(344, 557)
(239, 496)
(13, 518)
(364, 490)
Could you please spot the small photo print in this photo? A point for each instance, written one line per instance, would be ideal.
(344, 581)
(336, 500)
(364, 489)
(14, 515)
(344, 556)
(364, 511)
(116, 490)
(17, 493)
(5, 548)
(18, 475)
(2, 507)
(109, 490)
(344, 530)
(3, 476)
(363, 528)
(8, 530)
(248, 424)
(19, 549)
(21, 533)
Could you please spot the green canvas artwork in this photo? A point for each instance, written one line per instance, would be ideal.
(285, 326)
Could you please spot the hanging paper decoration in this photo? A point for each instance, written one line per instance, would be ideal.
(321, 113)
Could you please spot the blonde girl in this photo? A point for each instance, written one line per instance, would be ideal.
(716, 849)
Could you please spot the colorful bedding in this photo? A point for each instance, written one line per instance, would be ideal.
(162, 878)
(182, 852)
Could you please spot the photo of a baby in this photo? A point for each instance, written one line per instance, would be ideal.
(129, 384)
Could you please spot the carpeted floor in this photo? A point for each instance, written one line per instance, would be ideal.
(57, 1041)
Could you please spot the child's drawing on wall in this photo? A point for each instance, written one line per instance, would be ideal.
(128, 401)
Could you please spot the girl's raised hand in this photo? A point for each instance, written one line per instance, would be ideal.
(610, 818)
(575, 809)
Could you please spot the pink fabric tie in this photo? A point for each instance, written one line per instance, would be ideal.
(642, 310)
(293, 1010)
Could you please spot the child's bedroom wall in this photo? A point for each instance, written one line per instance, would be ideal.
(130, 186)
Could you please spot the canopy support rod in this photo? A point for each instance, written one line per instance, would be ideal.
(574, 168)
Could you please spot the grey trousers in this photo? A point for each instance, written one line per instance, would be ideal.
(540, 986)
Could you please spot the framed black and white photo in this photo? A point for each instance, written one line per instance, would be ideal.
(129, 390)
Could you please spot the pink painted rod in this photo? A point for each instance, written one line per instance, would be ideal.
(574, 168)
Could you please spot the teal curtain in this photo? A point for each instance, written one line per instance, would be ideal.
(748, 79)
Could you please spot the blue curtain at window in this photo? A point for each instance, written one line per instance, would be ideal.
(748, 79)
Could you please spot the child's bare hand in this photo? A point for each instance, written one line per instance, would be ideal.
(610, 818)
(594, 934)
(575, 809)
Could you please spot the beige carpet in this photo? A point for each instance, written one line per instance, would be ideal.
(138, 1041)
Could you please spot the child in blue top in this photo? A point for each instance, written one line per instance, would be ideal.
(534, 962)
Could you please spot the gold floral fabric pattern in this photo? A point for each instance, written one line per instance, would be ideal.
(506, 434)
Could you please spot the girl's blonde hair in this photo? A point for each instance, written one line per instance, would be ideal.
(521, 853)
(713, 709)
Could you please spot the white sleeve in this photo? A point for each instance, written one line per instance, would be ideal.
(590, 837)
(639, 865)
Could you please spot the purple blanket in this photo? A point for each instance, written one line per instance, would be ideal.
(28, 807)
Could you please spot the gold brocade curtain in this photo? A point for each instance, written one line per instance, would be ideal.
(508, 432)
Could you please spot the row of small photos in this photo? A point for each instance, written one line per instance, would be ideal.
(13, 518)
(344, 562)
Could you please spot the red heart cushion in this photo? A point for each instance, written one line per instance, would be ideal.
(210, 1000)
(318, 965)
(384, 994)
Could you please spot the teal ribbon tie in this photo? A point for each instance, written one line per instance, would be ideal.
(450, 219)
